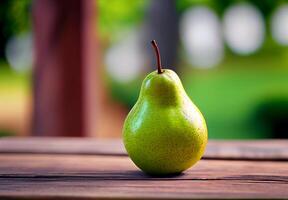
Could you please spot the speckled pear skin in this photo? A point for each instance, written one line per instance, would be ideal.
(164, 133)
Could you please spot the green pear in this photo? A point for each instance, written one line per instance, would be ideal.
(164, 133)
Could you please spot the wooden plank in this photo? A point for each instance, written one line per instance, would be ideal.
(62, 145)
(116, 167)
(246, 150)
(156, 189)
(100, 177)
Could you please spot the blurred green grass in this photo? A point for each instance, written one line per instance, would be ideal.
(229, 99)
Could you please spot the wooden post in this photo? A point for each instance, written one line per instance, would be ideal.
(65, 68)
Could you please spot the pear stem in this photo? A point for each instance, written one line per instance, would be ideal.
(157, 52)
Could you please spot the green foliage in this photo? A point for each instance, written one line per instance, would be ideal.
(119, 15)
(15, 16)
(183, 5)
(271, 115)
(14, 19)
(5, 133)
(219, 6)
(125, 93)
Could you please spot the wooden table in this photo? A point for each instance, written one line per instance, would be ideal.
(58, 168)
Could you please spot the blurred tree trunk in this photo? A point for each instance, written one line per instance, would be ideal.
(65, 68)
(163, 26)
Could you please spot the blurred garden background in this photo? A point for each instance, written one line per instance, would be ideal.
(232, 56)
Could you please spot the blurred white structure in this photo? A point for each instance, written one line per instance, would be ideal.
(279, 24)
(125, 59)
(244, 28)
(200, 33)
(19, 52)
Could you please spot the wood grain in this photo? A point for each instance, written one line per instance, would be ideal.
(43, 176)
(240, 150)
(41, 145)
